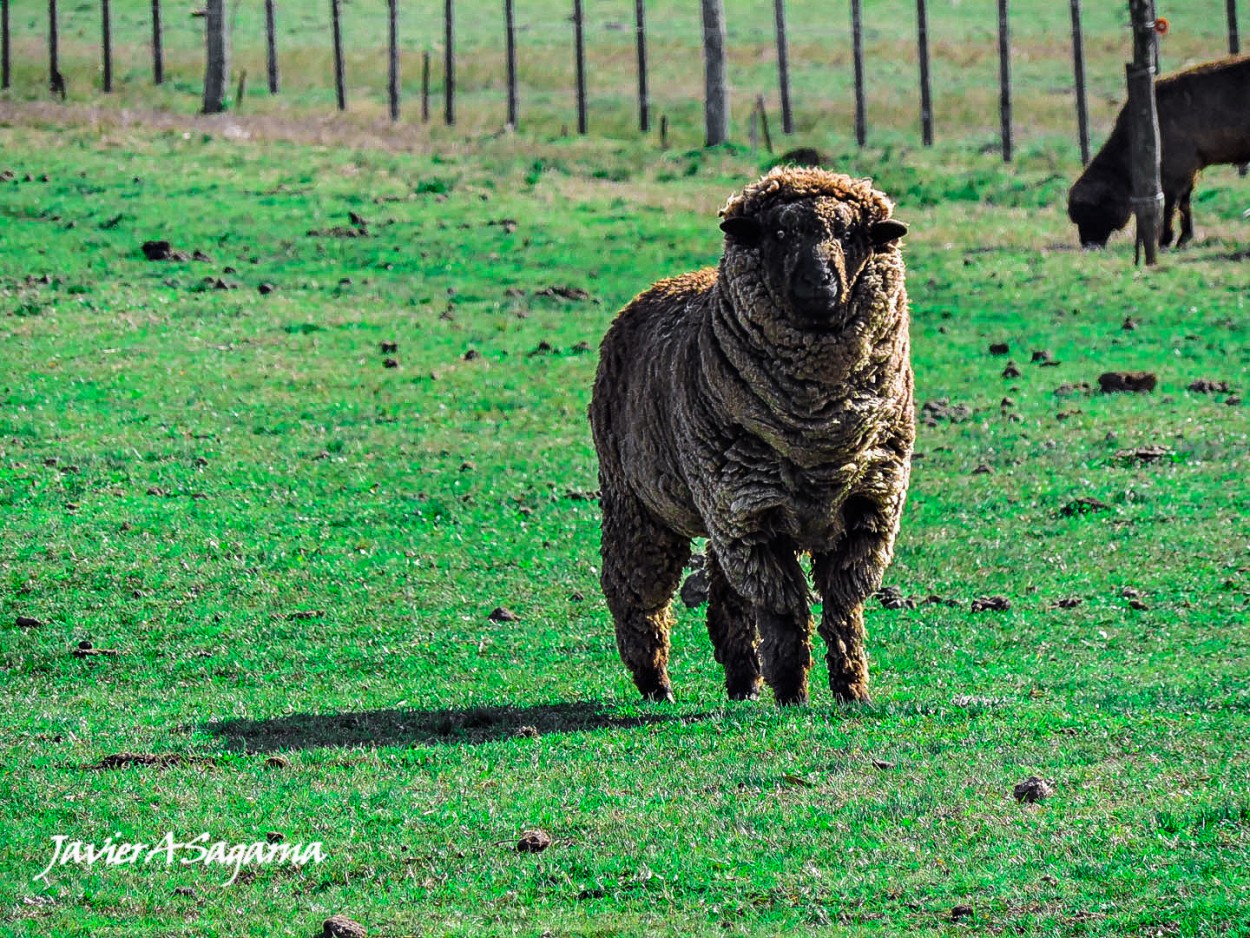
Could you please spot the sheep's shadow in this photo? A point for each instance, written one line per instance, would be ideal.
(375, 729)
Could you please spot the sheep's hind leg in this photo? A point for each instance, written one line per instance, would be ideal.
(731, 626)
(642, 564)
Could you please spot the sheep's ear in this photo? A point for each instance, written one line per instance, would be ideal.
(743, 230)
(883, 232)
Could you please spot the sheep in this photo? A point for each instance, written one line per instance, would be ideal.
(1204, 119)
(767, 405)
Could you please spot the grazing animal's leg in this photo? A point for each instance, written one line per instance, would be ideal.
(769, 578)
(845, 577)
(1169, 204)
(642, 564)
(1187, 218)
(731, 625)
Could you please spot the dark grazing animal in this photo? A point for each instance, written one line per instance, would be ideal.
(1204, 119)
(766, 405)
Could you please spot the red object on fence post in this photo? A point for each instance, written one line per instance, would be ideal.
(392, 49)
(1078, 65)
(271, 47)
(644, 101)
(1147, 198)
(509, 18)
(857, 45)
(1004, 79)
(783, 66)
(158, 53)
(449, 62)
(926, 94)
(336, 28)
(579, 54)
(106, 41)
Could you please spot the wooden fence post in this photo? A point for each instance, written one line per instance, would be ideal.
(336, 29)
(271, 47)
(926, 94)
(6, 69)
(579, 54)
(158, 52)
(857, 45)
(449, 62)
(716, 102)
(216, 59)
(763, 112)
(106, 42)
(56, 81)
(509, 19)
(1078, 66)
(1234, 38)
(392, 49)
(644, 101)
(783, 66)
(425, 86)
(1147, 199)
(1004, 79)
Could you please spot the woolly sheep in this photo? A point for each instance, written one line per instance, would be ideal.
(766, 405)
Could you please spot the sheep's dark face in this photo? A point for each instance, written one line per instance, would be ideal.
(811, 254)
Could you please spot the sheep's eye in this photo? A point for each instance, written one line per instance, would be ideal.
(780, 234)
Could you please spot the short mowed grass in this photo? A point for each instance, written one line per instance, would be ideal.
(296, 549)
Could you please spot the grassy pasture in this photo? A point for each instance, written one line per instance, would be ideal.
(185, 468)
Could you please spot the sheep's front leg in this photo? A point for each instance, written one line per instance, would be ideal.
(845, 577)
(769, 578)
(1187, 218)
(731, 626)
(1169, 206)
(642, 563)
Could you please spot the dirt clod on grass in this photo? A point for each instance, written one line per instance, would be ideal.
(527, 732)
(1068, 602)
(265, 288)
(184, 891)
(29, 622)
(1032, 789)
(162, 251)
(388, 348)
(90, 652)
(931, 412)
(999, 348)
(277, 762)
(503, 614)
(122, 760)
(891, 597)
(340, 926)
(1144, 453)
(564, 293)
(1011, 371)
(533, 841)
(390, 363)
(1207, 386)
(961, 912)
(991, 604)
(1127, 381)
(1083, 506)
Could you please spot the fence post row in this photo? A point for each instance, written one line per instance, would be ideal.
(783, 66)
(926, 94)
(509, 19)
(716, 105)
(1004, 79)
(158, 53)
(271, 48)
(644, 103)
(392, 43)
(1078, 66)
(449, 62)
(579, 54)
(336, 29)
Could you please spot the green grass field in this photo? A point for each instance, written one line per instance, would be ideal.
(295, 550)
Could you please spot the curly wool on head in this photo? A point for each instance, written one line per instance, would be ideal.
(795, 183)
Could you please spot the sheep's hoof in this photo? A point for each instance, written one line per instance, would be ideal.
(852, 693)
(661, 694)
(796, 699)
(744, 695)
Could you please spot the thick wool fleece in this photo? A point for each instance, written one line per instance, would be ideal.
(716, 413)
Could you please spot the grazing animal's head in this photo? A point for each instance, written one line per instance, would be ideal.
(808, 235)
(1099, 208)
